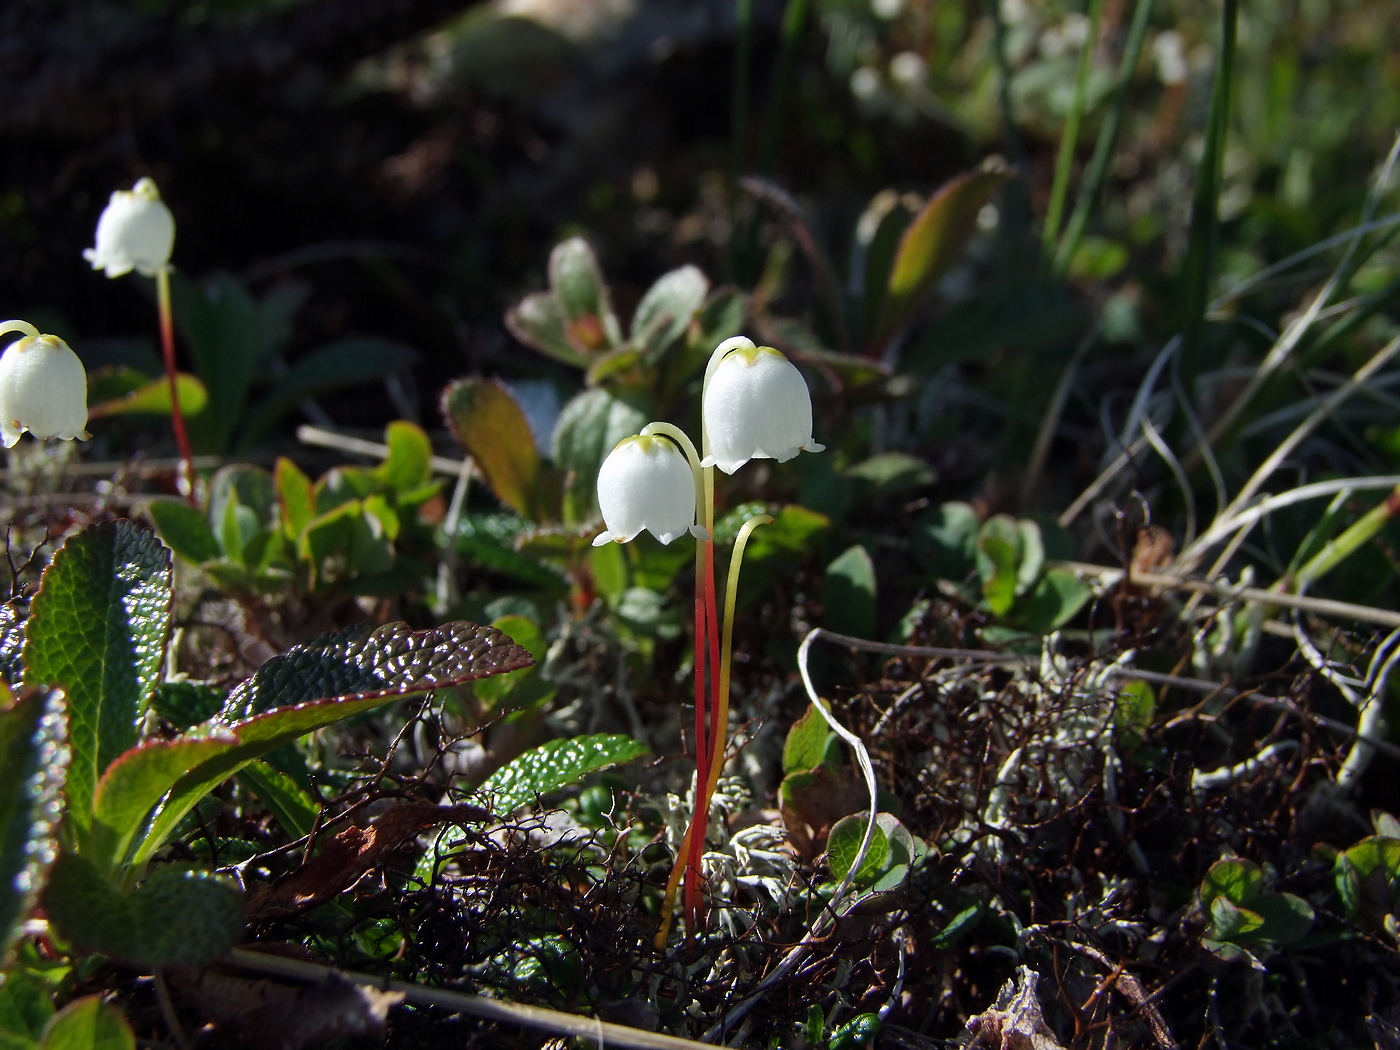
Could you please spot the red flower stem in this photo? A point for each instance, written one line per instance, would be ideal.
(167, 347)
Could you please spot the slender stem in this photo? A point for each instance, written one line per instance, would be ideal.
(731, 594)
(177, 417)
(1069, 139)
(704, 644)
(1341, 548)
(24, 328)
(794, 14)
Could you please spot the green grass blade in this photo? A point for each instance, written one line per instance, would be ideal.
(1205, 226)
(1108, 135)
(1069, 138)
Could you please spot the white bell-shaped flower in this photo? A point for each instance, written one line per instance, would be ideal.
(646, 483)
(43, 388)
(756, 406)
(135, 232)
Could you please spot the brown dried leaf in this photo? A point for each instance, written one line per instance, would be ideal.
(348, 854)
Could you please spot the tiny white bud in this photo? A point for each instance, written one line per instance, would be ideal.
(756, 406)
(646, 483)
(43, 388)
(135, 232)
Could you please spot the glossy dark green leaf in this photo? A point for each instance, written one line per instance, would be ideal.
(174, 918)
(185, 530)
(11, 644)
(552, 766)
(33, 757)
(98, 628)
(184, 703)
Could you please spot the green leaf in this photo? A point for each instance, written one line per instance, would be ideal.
(944, 541)
(409, 464)
(538, 321)
(1136, 704)
(525, 632)
(11, 643)
(174, 918)
(345, 362)
(877, 237)
(88, 1024)
(578, 282)
(296, 499)
(1032, 559)
(363, 660)
(151, 397)
(1229, 921)
(185, 530)
(998, 559)
(184, 703)
(667, 308)
(891, 473)
(589, 427)
(490, 424)
(246, 486)
(294, 809)
(220, 323)
(552, 766)
(961, 923)
(489, 540)
(1287, 918)
(131, 787)
(547, 768)
(848, 593)
(98, 628)
(805, 747)
(1057, 597)
(1234, 878)
(335, 677)
(33, 757)
(933, 241)
(843, 844)
(26, 1005)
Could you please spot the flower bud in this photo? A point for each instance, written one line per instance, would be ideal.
(645, 483)
(756, 406)
(43, 388)
(135, 232)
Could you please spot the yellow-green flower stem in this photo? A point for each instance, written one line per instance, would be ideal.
(726, 653)
(177, 417)
(24, 328)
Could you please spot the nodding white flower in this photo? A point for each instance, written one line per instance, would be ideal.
(646, 483)
(756, 406)
(135, 232)
(43, 387)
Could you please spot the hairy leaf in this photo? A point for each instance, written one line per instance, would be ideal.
(174, 918)
(97, 628)
(666, 309)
